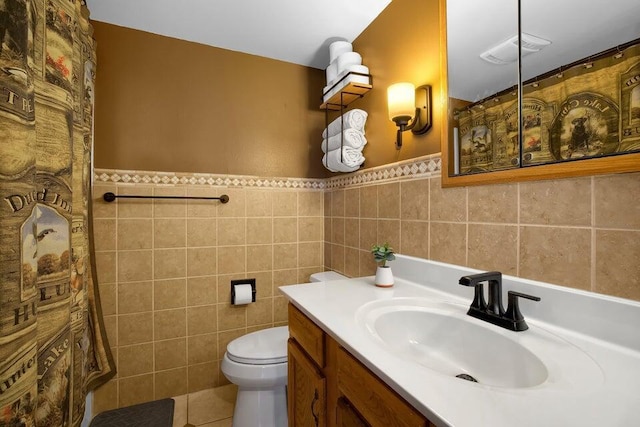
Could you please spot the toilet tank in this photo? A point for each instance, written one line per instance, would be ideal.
(325, 276)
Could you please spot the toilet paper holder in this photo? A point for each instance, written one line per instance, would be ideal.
(251, 282)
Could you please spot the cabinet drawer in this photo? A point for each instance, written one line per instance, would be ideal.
(307, 334)
(374, 400)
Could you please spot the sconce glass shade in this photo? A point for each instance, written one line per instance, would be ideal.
(401, 98)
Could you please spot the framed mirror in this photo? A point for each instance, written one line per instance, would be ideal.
(579, 103)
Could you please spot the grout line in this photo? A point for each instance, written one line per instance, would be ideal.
(594, 241)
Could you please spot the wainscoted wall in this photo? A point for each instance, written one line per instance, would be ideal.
(583, 233)
(164, 269)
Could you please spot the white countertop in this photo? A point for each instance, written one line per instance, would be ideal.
(610, 397)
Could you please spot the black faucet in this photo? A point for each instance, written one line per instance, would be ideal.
(493, 311)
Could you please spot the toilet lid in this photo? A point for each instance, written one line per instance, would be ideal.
(264, 347)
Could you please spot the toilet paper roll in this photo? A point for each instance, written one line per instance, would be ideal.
(347, 59)
(332, 73)
(244, 294)
(337, 48)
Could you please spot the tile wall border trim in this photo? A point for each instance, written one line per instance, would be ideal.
(419, 167)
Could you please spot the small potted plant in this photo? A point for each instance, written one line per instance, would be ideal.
(382, 254)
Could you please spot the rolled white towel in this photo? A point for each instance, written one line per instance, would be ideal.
(353, 119)
(351, 161)
(352, 138)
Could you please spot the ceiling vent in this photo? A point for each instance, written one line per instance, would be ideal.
(507, 52)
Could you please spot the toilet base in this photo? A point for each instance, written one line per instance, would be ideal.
(260, 407)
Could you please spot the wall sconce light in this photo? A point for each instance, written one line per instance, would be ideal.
(409, 109)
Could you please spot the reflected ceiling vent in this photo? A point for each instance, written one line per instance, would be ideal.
(507, 52)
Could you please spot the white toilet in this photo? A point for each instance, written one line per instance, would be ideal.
(257, 364)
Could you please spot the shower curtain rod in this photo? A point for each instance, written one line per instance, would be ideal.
(110, 197)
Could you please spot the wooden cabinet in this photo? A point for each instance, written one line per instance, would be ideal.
(329, 387)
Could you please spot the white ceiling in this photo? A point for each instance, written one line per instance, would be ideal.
(297, 31)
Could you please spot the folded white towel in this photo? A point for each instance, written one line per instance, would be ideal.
(348, 138)
(351, 160)
(353, 119)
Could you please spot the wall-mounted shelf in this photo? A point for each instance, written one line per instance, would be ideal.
(349, 92)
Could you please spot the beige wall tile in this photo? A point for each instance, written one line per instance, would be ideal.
(235, 207)
(170, 383)
(414, 199)
(259, 203)
(310, 229)
(201, 261)
(111, 329)
(448, 242)
(231, 231)
(447, 204)
(310, 203)
(135, 297)
(170, 354)
(352, 232)
(617, 266)
(556, 255)
(389, 200)
(304, 274)
(231, 316)
(169, 263)
(327, 255)
(224, 286)
(327, 204)
(135, 359)
(134, 266)
(616, 201)
(285, 203)
(351, 262)
(134, 390)
(493, 247)
(202, 376)
(169, 208)
(202, 348)
(170, 233)
(134, 208)
(104, 234)
(202, 232)
(259, 257)
(171, 293)
(285, 277)
(285, 230)
(260, 312)
(337, 203)
(105, 397)
(108, 298)
(134, 329)
(310, 254)
(231, 259)
(565, 202)
(106, 266)
(102, 209)
(225, 337)
(169, 324)
(367, 264)
(414, 238)
(327, 229)
(259, 230)
(202, 320)
(280, 311)
(202, 290)
(352, 202)
(493, 203)
(337, 230)
(135, 234)
(285, 256)
(203, 208)
(337, 258)
(388, 231)
(368, 233)
(369, 202)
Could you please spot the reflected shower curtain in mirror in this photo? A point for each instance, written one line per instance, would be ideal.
(53, 348)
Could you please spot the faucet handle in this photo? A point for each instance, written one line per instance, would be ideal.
(479, 302)
(513, 313)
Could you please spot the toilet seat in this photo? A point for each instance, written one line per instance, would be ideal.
(265, 347)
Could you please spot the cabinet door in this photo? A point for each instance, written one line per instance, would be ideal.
(307, 390)
(346, 416)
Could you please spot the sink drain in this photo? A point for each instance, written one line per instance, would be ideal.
(467, 377)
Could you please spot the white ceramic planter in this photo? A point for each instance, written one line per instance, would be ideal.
(384, 277)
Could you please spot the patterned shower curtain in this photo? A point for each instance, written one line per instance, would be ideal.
(53, 347)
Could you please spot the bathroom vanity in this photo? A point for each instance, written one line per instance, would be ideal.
(361, 355)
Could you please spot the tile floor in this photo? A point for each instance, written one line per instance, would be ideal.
(207, 408)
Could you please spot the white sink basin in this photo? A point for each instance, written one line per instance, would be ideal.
(440, 336)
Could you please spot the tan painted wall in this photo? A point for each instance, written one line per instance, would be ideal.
(170, 105)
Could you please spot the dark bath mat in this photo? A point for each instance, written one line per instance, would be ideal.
(158, 413)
